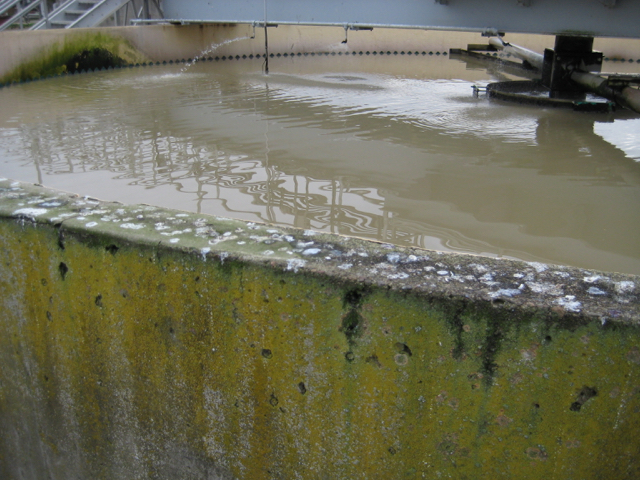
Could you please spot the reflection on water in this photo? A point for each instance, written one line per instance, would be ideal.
(395, 149)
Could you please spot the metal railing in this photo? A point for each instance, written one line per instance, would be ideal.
(24, 9)
(35, 14)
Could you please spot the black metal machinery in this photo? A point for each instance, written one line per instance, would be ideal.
(569, 75)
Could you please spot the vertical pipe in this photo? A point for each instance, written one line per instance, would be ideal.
(159, 8)
(44, 11)
(266, 41)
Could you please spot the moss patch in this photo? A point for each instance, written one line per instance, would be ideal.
(95, 58)
(76, 53)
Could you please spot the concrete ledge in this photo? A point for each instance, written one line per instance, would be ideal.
(138, 342)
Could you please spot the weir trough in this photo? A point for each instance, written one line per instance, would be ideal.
(140, 342)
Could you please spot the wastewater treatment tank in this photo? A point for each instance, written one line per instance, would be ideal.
(141, 341)
(386, 145)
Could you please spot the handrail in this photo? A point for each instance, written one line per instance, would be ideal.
(7, 4)
(19, 15)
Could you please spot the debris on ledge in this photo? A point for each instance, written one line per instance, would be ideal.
(552, 289)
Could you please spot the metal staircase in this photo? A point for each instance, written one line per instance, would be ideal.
(73, 13)
(23, 10)
(80, 13)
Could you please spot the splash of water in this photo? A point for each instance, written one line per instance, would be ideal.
(210, 49)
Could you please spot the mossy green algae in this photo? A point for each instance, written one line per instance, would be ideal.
(141, 361)
(56, 58)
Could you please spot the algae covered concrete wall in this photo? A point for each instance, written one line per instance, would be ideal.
(138, 342)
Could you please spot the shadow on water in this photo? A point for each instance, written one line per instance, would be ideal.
(354, 147)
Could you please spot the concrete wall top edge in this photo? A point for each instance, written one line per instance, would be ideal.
(587, 295)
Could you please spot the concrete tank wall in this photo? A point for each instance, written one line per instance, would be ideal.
(138, 342)
(172, 42)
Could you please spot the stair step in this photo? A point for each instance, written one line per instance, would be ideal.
(77, 12)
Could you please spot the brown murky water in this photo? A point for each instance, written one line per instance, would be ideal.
(393, 148)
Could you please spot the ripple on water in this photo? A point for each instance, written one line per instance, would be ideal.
(387, 148)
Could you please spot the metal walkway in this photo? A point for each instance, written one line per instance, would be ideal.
(605, 18)
(595, 18)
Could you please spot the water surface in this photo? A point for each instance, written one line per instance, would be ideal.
(393, 148)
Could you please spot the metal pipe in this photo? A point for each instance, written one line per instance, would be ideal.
(44, 11)
(628, 97)
(367, 26)
(533, 58)
(631, 97)
(266, 41)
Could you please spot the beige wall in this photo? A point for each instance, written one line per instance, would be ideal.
(169, 42)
